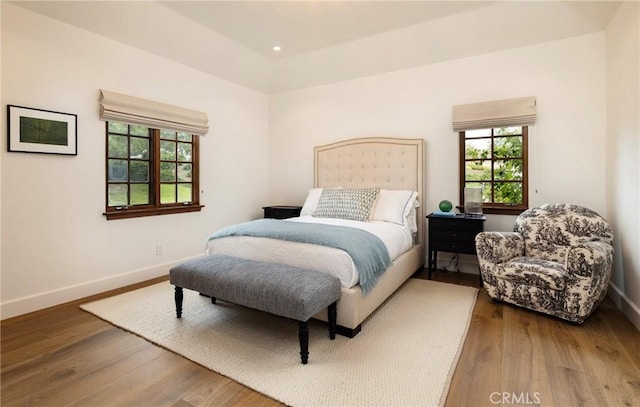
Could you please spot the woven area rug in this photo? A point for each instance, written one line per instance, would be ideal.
(404, 356)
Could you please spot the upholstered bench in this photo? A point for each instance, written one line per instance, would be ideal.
(278, 289)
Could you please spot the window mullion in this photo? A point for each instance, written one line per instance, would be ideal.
(525, 165)
(129, 189)
(493, 164)
(155, 183)
(195, 165)
(462, 161)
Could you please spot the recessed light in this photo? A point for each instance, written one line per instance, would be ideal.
(276, 48)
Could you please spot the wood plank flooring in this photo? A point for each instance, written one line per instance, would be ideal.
(64, 356)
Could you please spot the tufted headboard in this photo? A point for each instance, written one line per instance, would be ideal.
(388, 163)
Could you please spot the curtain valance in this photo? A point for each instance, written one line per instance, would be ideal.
(497, 113)
(133, 110)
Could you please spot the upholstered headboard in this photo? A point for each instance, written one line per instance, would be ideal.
(388, 163)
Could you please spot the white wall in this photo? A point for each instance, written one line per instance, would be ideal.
(56, 244)
(2, 125)
(623, 154)
(566, 146)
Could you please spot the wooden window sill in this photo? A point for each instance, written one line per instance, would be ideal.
(138, 213)
(498, 210)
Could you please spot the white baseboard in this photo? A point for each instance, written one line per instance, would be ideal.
(628, 308)
(27, 304)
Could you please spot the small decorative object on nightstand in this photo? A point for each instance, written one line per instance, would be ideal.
(473, 202)
(281, 212)
(455, 234)
(445, 206)
(445, 209)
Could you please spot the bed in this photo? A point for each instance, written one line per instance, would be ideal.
(393, 166)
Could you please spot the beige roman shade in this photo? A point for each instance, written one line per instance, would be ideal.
(133, 110)
(497, 113)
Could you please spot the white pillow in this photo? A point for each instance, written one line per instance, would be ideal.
(311, 203)
(394, 206)
(412, 217)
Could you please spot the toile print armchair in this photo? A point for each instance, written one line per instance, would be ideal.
(558, 260)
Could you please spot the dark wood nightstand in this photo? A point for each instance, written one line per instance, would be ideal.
(455, 234)
(281, 212)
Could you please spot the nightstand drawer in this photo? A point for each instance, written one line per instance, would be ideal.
(454, 246)
(454, 234)
(446, 224)
(281, 212)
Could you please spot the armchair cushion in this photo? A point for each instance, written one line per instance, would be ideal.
(533, 272)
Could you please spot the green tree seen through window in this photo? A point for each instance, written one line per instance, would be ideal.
(495, 160)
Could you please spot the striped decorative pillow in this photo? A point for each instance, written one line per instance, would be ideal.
(347, 203)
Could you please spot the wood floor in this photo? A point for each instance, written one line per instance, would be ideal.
(64, 356)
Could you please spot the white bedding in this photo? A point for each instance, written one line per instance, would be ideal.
(336, 262)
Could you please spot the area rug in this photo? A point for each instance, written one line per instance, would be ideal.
(405, 354)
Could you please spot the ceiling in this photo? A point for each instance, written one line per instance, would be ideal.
(325, 41)
(304, 26)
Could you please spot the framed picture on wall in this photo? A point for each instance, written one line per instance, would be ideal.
(41, 131)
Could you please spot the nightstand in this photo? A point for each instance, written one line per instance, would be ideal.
(281, 212)
(455, 234)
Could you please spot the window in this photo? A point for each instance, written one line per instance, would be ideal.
(496, 160)
(150, 171)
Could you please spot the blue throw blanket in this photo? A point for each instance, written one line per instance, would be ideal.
(368, 252)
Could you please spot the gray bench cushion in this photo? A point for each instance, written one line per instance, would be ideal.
(279, 289)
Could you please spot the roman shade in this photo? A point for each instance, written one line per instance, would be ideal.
(133, 110)
(497, 113)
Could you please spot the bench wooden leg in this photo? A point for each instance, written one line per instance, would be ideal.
(303, 335)
(178, 297)
(332, 317)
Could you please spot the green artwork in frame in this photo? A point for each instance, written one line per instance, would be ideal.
(41, 131)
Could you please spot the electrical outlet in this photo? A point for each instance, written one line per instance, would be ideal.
(159, 250)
